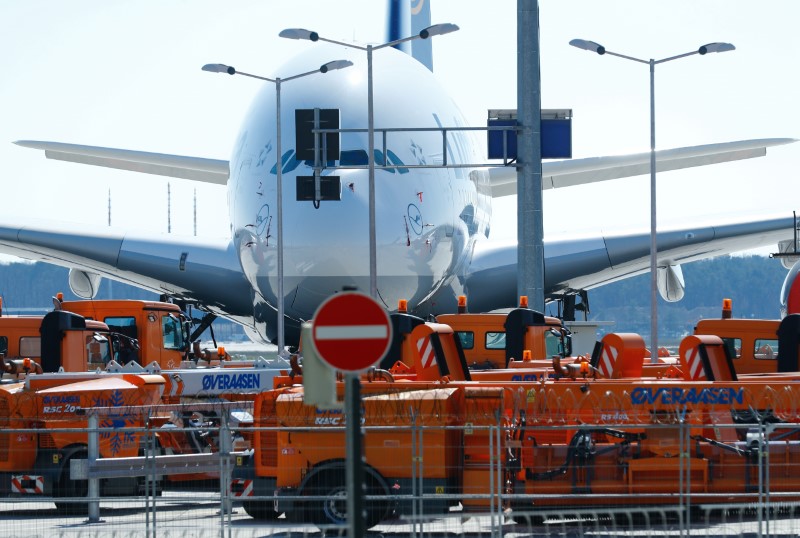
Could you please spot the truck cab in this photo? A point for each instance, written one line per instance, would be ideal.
(753, 343)
(19, 336)
(160, 328)
(494, 340)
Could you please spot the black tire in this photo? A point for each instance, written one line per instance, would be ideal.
(72, 489)
(378, 509)
(260, 510)
(331, 509)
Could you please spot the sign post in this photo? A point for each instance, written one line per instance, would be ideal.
(352, 332)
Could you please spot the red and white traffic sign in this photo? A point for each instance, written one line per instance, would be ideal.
(352, 331)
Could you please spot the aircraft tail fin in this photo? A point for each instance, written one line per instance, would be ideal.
(408, 17)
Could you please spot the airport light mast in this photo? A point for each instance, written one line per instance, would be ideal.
(330, 66)
(425, 33)
(599, 49)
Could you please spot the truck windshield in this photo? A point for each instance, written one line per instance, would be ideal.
(495, 340)
(554, 344)
(467, 339)
(98, 350)
(172, 330)
(766, 349)
(30, 346)
(124, 325)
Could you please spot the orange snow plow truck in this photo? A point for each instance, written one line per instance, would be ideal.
(120, 330)
(572, 441)
(44, 428)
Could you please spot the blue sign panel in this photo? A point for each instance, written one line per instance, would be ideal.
(556, 139)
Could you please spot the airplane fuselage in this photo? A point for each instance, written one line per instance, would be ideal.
(427, 218)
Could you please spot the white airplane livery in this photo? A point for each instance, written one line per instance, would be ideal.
(433, 226)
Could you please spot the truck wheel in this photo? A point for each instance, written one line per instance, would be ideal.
(331, 506)
(72, 489)
(261, 510)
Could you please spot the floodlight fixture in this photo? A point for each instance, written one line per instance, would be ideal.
(588, 45)
(219, 68)
(715, 47)
(437, 29)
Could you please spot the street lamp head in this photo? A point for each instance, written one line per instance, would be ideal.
(219, 68)
(715, 47)
(588, 45)
(334, 65)
(299, 33)
(437, 29)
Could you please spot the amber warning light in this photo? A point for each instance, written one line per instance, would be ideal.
(727, 309)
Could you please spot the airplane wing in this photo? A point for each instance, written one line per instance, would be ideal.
(572, 172)
(503, 179)
(206, 271)
(194, 168)
(585, 262)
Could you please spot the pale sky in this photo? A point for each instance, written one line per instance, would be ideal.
(127, 74)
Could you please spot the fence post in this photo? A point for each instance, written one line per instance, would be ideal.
(414, 478)
(151, 480)
(94, 483)
(226, 507)
(498, 457)
(769, 430)
(686, 454)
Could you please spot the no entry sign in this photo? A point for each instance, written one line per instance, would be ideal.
(352, 332)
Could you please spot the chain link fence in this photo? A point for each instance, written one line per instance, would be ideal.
(209, 470)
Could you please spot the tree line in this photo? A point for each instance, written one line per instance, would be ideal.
(752, 282)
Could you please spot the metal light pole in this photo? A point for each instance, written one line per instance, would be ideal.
(301, 33)
(705, 49)
(330, 66)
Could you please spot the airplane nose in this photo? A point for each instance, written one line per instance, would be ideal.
(325, 248)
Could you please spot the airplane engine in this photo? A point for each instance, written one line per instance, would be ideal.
(84, 284)
(254, 335)
(785, 246)
(670, 283)
(790, 292)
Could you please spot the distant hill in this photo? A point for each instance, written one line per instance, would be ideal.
(752, 282)
(28, 288)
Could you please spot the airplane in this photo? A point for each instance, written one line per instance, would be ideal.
(433, 228)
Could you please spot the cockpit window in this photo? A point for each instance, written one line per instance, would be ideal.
(289, 161)
(354, 157)
(394, 159)
(358, 157)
